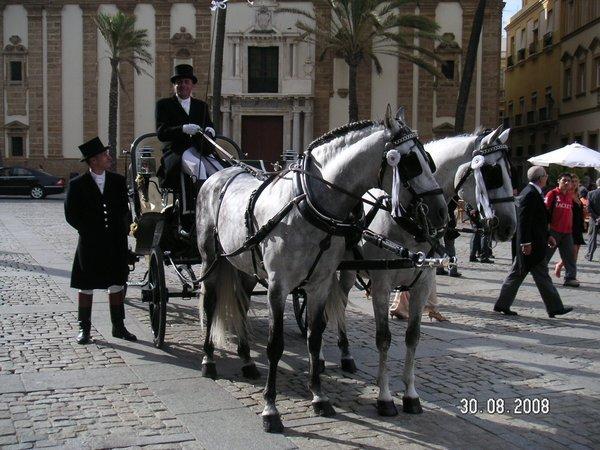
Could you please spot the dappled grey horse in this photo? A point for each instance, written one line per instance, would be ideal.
(458, 162)
(298, 215)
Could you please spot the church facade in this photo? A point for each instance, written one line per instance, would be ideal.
(277, 95)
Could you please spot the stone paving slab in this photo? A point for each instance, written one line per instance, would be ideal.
(479, 357)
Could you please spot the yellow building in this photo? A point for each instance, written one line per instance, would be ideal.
(533, 79)
(552, 80)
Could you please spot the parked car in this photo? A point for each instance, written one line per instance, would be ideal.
(24, 181)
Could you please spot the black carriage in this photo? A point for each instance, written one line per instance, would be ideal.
(158, 214)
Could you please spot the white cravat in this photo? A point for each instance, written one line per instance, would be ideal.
(100, 180)
(185, 104)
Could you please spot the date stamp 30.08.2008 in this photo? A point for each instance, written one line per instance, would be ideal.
(526, 405)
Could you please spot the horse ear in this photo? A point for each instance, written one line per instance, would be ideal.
(389, 120)
(504, 136)
(491, 137)
(400, 114)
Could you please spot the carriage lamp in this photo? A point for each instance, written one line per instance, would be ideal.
(146, 164)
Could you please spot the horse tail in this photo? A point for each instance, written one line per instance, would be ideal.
(335, 308)
(231, 304)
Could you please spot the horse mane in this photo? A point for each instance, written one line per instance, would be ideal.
(339, 131)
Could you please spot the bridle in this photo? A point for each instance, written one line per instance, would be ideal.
(483, 174)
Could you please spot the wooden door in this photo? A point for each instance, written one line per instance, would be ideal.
(262, 137)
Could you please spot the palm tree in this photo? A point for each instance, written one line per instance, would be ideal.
(125, 45)
(218, 67)
(363, 29)
(467, 75)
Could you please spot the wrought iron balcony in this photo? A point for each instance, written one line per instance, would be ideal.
(547, 39)
(521, 54)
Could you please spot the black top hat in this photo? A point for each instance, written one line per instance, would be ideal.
(92, 148)
(183, 71)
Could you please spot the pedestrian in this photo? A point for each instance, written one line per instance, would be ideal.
(559, 202)
(480, 241)
(400, 306)
(97, 207)
(449, 237)
(594, 211)
(578, 224)
(532, 240)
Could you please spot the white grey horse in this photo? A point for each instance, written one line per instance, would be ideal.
(452, 156)
(296, 250)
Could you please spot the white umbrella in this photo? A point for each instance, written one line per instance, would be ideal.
(572, 155)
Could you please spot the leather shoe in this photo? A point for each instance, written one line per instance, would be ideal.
(571, 283)
(441, 271)
(84, 336)
(121, 332)
(505, 311)
(560, 312)
(473, 259)
(454, 274)
(486, 261)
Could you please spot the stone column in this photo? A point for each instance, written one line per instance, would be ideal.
(162, 62)
(126, 102)
(35, 82)
(236, 112)
(296, 127)
(226, 118)
(54, 77)
(308, 124)
(90, 71)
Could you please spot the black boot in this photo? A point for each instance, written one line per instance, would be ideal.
(84, 315)
(117, 315)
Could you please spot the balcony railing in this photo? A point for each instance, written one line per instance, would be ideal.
(521, 54)
(510, 61)
(547, 39)
(533, 48)
(506, 123)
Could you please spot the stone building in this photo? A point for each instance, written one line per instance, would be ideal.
(553, 76)
(277, 94)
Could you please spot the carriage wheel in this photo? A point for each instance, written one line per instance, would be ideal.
(159, 297)
(300, 311)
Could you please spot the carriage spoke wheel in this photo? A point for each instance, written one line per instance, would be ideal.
(300, 312)
(159, 296)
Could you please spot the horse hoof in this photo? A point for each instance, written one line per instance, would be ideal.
(321, 365)
(386, 408)
(348, 365)
(411, 405)
(272, 424)
(209, 370)
(323, 409)
(250, 371)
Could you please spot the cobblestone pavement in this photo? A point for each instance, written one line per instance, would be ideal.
(525, 382)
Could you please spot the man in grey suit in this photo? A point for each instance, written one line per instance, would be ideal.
(532, 241)
(594, 210)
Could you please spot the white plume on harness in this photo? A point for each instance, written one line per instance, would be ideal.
(481, 193)
(222, 4)
(393, 159)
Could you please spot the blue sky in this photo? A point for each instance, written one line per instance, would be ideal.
(511, 7)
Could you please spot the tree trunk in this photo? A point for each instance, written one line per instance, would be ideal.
(113, 107)
(218, 68)
(352, 100)
(467, 75)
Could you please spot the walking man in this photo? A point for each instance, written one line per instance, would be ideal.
(594, 210)
(559, 202)
(97, 207)
(531, 243)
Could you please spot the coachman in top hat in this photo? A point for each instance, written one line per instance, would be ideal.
(97, 207)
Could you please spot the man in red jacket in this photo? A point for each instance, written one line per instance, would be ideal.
(559, 203)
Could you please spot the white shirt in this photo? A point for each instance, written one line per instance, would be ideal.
(100, 180)
(185, 103)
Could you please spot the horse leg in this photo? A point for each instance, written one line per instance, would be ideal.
(418, 297)
(347, 279)
(270, 415)
(383, 338)
(316, 327)
(249, 369)
(209, 369)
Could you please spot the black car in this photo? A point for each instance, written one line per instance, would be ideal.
(24, 181)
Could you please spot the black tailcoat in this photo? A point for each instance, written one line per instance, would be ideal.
(532, 227)
(170, 117)
(102, 221)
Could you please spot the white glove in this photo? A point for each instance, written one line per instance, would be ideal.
(191, 128)
(210, 131)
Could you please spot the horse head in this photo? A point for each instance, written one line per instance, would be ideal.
(491, 190)
(421, 197)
